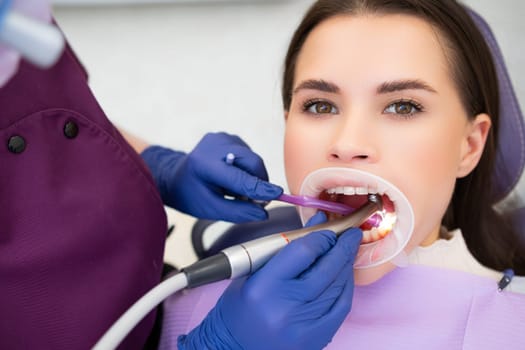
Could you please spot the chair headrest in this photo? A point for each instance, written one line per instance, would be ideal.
(509, 180)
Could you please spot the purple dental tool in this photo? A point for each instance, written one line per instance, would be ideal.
(333, 207)
(312, 202)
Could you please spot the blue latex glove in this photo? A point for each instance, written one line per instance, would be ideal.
(298, 300)
(197, 183)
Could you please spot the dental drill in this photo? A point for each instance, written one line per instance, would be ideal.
(246, 258)
(233, 262)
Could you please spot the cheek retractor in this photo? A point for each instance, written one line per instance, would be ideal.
(381, 243)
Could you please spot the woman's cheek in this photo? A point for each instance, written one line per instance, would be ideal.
(296, 163)
(305, 150)
(429, 199)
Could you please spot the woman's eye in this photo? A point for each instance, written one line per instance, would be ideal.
(403, 108)
(320, 107)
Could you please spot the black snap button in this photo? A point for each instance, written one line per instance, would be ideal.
(16, 144)
(71, 130)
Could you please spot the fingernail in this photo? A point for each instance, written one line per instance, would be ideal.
(269, 190)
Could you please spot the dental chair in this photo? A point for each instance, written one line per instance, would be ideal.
(210, 237)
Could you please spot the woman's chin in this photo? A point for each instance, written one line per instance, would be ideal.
(363, 277)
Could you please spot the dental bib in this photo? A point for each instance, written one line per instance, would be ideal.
(390, 248)
(417, 307)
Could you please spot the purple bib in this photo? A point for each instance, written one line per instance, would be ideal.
(416, 307)
(82, 227)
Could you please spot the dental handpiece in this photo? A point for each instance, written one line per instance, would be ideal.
(246, 258)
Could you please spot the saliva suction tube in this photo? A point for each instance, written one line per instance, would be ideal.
(233, 262)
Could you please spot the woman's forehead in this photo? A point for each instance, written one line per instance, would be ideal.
(390, 47)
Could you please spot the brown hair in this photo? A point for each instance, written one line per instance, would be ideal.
(488, 236)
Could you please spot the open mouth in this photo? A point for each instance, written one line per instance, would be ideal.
(379, 225)
(386, 232)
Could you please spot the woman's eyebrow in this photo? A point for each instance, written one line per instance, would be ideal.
(385, 88)
(399, 85)
(321, 85)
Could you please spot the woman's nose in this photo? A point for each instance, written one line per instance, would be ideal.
(353, 141)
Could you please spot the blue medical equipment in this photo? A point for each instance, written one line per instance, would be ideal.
(38, 42)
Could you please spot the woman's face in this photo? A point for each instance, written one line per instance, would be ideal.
(375, 93)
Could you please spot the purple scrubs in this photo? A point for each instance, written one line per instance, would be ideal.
(82, 227)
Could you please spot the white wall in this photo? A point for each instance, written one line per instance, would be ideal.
(172, 72)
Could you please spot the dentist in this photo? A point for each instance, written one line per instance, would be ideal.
(82, 217)
(82, 220)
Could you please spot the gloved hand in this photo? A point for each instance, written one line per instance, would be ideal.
(298, 300)
(197, 183)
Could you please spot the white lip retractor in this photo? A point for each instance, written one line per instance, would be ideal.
(351, 181)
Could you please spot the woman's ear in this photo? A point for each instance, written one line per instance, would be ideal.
(474, 143)
(286, 114)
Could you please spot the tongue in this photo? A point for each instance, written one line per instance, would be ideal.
(354, 201)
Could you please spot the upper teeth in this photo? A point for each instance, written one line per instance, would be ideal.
(351, 190)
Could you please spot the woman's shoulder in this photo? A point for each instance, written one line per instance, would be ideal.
(453, 254)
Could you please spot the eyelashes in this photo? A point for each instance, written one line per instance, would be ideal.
(403, 108)
(319, 106)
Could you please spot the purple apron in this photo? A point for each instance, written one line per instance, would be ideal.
(412, 308)
(82, 227)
